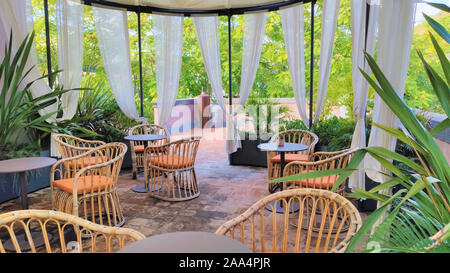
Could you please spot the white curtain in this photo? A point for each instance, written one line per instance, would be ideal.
(17, 17)
(360, 86)
(207, 31)
(293, 33)
(329, 21)
(396, 26)
(254, 27)
(69, 25)
(168, 35)
(112, 33)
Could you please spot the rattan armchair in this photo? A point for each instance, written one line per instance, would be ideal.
(137, 147)
(293, 136)
(325, 222)
(169, 172)
(70, 146)
(89, 190)
(319, 161)
(60, 232)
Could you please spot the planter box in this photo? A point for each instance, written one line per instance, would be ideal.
(368, 204)
(127, 162)
(249, 154)
(37, 179)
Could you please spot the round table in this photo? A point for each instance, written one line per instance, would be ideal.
(21, 166)
(146, 138)
(186, 242)
(282, 150)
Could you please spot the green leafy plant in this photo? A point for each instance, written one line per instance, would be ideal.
(264, 113)
(98, 116)
(418, 214)
(334, 133)
(25, 150)
(19, 111)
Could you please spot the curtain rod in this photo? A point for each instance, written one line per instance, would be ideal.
(187, 13)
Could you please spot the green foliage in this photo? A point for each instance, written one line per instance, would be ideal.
(334, 133)
(418, 92)
(19, 111)
(419, 213)
(25, 150)
(264, 115)
(98, 116)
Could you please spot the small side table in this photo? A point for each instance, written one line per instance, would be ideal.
(21, 166)
(287, 147)
(145, 138)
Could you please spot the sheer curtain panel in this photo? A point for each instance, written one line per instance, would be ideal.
(396, 26)
(293, 33)
(69, 24)
(168, 35)
(329, 21)
(254, 27)
(360, 86)
(112, 34)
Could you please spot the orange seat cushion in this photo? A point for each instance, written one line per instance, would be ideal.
(94, 183)
(141, 148)
(87, 161)
(325, 182)
(171, 161)
(290, 158)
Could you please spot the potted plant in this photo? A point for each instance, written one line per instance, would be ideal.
(416, 217)
(22, 129)
(263, 115)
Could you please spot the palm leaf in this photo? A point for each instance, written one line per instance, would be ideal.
(438, 28)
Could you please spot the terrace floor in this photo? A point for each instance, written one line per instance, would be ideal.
(225, 192)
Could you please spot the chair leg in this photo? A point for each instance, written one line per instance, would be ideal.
(134, 172)
(175, 186)
(273, 187)
(274, 173)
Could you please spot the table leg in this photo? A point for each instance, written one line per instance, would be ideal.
(141, 188)
(23, 189)
(279, 207)
(282, 163)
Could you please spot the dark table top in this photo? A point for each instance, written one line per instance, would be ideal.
(288, 147)
(147, 137)
(187, 242)
(25, 164)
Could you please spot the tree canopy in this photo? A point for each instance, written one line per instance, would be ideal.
(272, 78)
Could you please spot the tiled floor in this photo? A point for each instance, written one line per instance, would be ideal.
(225, 192)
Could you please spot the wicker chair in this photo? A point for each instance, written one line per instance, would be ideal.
(70, 146)
(89, 190)
(169, 172)
(137, 147)
(60, 232)
(294, 136)
(320, 161)
(325, 222)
